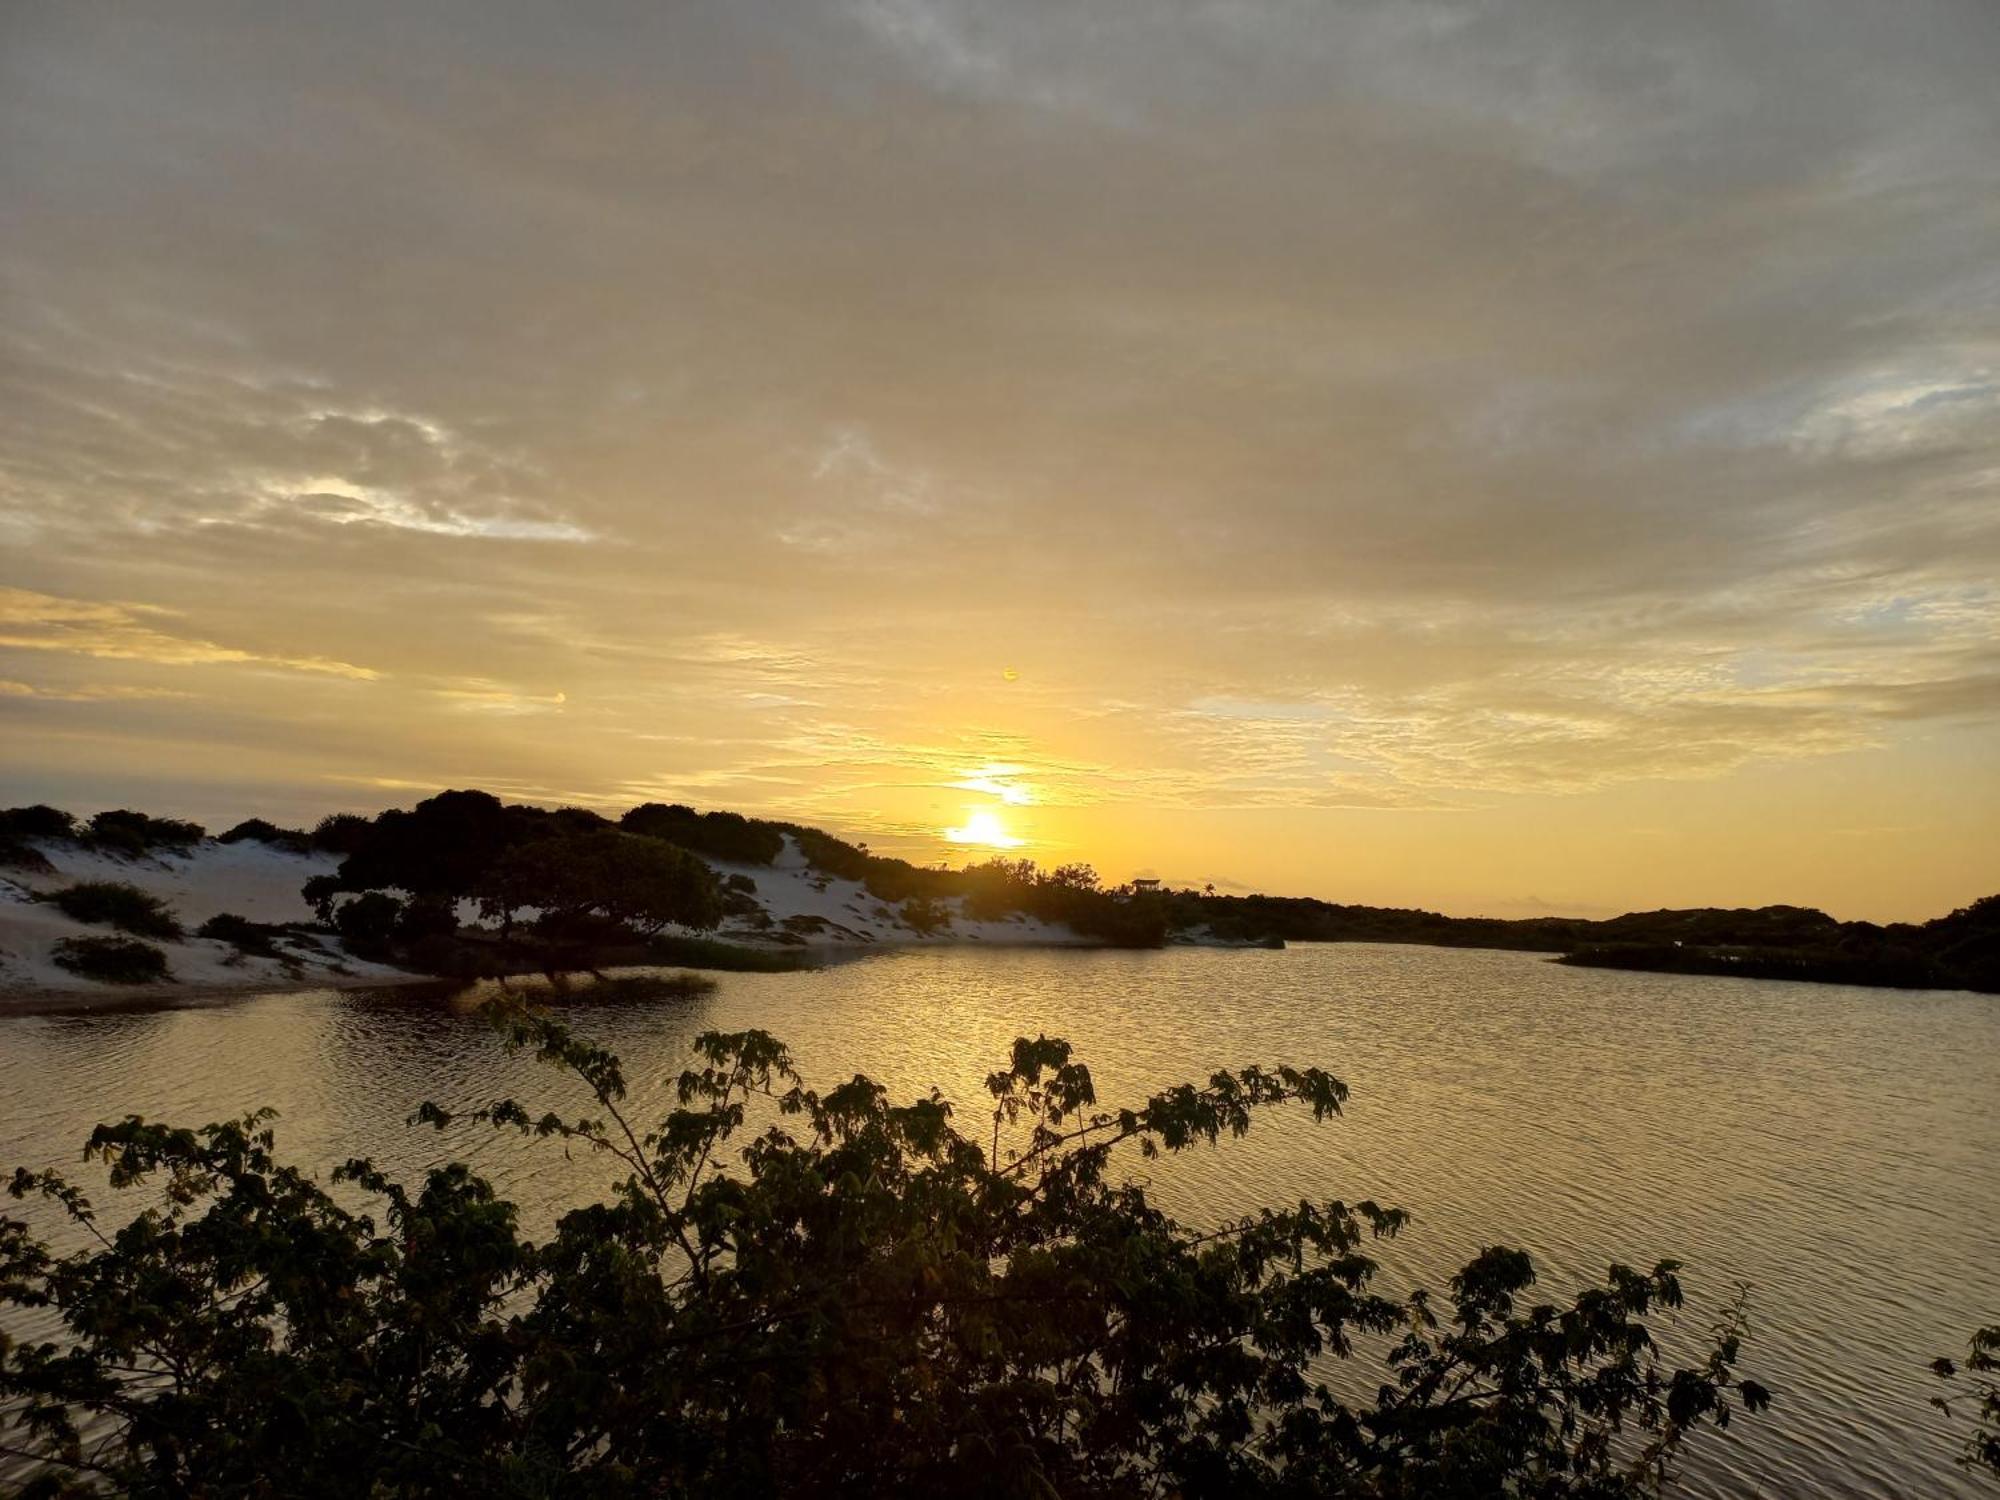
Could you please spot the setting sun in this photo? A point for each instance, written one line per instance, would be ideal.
(983, 826)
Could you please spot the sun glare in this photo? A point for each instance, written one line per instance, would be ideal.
(983, 826)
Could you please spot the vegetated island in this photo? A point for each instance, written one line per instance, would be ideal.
(463, 885)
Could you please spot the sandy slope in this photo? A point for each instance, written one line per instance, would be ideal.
(832, 913)
(250, 879)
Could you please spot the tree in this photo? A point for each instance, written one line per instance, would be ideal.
(635, 881)
(864, 1300)
(1982, 1366)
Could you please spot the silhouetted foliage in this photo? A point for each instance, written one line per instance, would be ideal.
(39, 821)
(122, 831)
(726, 836)
(256, 830)
(443, 847)
(835, 856)
(925, 916)
(1982, 1374)
(865, 1302)
(367, 922)
(426, 917)
(1961, 951)
(242, 934)
(113, 903)
(18, 854)
(341, 833)
(109, 960)
(639, 883)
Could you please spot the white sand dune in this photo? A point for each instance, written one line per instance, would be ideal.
(802, 908)
(249, 879)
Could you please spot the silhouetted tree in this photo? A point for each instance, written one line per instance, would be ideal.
(634, 881)
(865, 1301)
(1982, 1372)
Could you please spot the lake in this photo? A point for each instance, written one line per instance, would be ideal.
(1835, 1148)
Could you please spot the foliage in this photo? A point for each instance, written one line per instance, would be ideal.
(726, 836)
(39, 821)
(256, 830)
(426, 917)
(636, 882)
(1982, 1366)
(122, 831)
(111, 960)
(925, 916)
(18, 854)
(864, 1301)
(836, 856)
(368, 921)
(1769, 942)
(113, 903)
(242, 934)
(341, 833)
(443, 847)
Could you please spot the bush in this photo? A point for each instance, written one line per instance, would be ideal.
(39, 821)
(111, 960)
(293, 840)
(719, 835)
(242, 934)
(925, 916)
(862, 1301)
(341, 833)
(369, 920)
(123, 831)
(112, 903)
(16, 855)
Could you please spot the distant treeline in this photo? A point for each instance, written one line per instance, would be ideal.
(1959, 951)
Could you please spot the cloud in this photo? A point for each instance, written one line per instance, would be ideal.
(1376, 408)
(124, 632)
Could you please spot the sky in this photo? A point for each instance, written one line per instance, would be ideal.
(1502, 458)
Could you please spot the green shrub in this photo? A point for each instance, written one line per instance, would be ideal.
(111, 960)
(113, 903)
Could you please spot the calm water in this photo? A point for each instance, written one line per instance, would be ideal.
(1835, 1148)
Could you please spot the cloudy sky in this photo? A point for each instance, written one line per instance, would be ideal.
(1490, 456)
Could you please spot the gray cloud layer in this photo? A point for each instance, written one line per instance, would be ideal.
(1383, 405)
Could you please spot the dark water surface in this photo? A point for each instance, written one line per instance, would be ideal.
(1836, 1148)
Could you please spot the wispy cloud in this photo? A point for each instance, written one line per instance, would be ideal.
(31, 621)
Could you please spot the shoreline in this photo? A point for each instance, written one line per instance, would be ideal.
(47, 1000)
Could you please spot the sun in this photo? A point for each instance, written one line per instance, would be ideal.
(983, 826)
